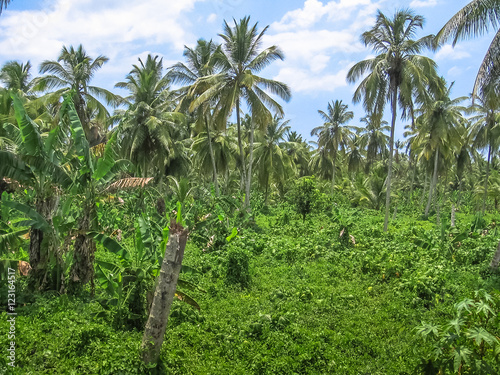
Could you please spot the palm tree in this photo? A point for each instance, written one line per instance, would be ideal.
(271, 157)
(73, 71)
(332, 135)
(485, 129)
(471, 21)
(17, 76)
(394, 73)
(240, 60)
(146, 127)
(299, 151)
(200, 63)
(3, 4)
(441, 118)
(373, 137)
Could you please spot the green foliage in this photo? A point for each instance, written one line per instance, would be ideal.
(469, 343)
(304, 194)
(237, 268)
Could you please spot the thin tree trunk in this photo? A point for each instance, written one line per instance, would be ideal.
(453, 215)
(334, 159)
(413, 169)
(156, 325)
(485, 195)
(249, 170)
(496, 258)
(240, 145)
(212, 157)
(433, 183)
(391, 149)
(423, 190)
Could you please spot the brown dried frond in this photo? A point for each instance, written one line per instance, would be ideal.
(129, 183)
(98, 150)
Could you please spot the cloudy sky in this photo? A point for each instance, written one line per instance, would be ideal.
(320, 40)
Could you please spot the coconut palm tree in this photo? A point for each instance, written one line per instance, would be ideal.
(17, 76)
(473, 20)
(485, 129)
(146, 129)
(72, 71)
(240, 60)
(373, 137)
(441, 117)
(395, 73)
(299, 151)
(200, 62)
(332, 135)
(271, 159)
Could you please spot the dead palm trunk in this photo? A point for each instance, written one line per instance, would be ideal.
(249, 171)
(156, 325)
(485, 194)
(212, 158)
(391, 149)
(433, 183)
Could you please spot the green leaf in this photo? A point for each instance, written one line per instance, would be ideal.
(111, 245)
(32, 142)
(185, 298)
(233, 234)
(106, 163)
(38, 221)
(13, 167)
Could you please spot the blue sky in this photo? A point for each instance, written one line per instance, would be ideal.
(320, 40)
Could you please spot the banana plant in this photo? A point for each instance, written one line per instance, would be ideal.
(36, 162)
(134, 268)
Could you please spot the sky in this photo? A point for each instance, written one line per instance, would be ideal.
(320, 41)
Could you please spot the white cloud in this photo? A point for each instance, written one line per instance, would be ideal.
(113, 26)
(423, 3)
(301, 80)
(448, 52)
(212, 18)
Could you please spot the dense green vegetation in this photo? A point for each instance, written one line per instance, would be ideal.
(363, 255)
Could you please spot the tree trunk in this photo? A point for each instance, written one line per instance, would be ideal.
(433, 183)
(453, 215)
(391, 150)
(485, 195)
(395, 213)
(156, 325)
(423, 190)
(240, 144)
(249, 170)
(334, 159)
(212, 157)
(496, 258)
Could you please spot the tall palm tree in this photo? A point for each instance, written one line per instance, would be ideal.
(473, 20)
(147, 125)
(271, 158)
(394, 73)
(200, 62)
(332, 135)
(73, 70)
(373, 137)
(299, 151)
(240, 60)
(441, 117)
(485, 129)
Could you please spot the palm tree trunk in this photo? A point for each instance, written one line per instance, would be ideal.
(156, 325)
(240, 143)
(334, 169)
(485, 195)
(212, 157)
(249, 171)
(433, 183)
(423, 190)
(391, 149)
(453, 215)
(496, 258)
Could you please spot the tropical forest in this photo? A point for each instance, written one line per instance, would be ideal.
(180, 223)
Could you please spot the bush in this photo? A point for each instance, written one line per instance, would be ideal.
(237, 269)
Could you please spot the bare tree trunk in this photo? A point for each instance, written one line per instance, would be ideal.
(249, 170)
(212, 157)
(485, 196)
(423, 190)
(453, 215)
(391, 150)
(496, 258)
(334, 159)
(395, 213)
(156, 325)
(240, 144)
(433, 183)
